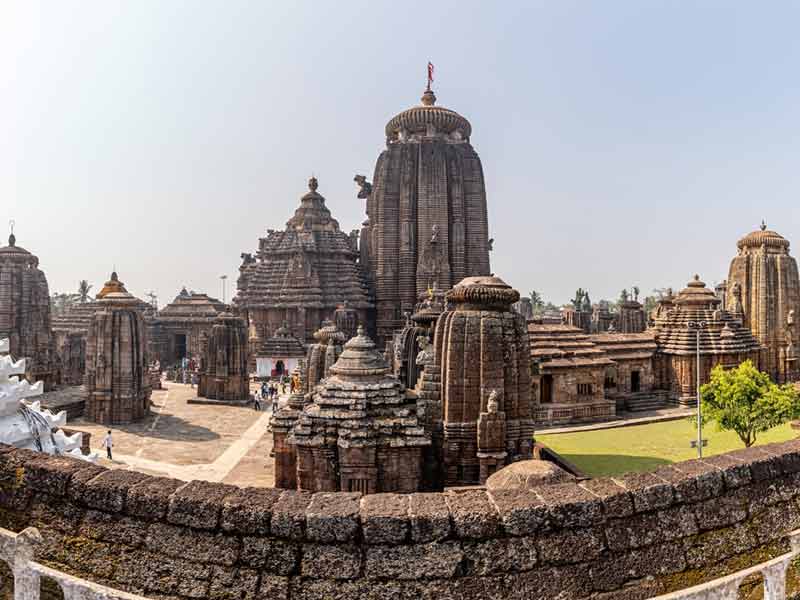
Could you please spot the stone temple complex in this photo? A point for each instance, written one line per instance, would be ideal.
(300, 276)
(426, 211)
(763, 290)
(224, 366)
(117, 376)
(25, 313)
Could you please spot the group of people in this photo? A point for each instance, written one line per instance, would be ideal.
(268, 391)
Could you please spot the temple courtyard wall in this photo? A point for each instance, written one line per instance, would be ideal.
(627, 538)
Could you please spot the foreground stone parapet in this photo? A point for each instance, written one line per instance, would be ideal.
(630, 537)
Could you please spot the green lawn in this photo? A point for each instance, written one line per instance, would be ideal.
(645, 447)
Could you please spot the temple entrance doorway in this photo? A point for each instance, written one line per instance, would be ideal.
(280, 369)
(180, 346)
(547, 389)
(635, 383)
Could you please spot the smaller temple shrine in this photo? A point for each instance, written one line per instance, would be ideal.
(223, 368)
(485, 380)
(183, 326)
(723, 341)
(630, 317)
(117, 376)
(279, 355)
(25, 313)
(417, 334)
(360, 432)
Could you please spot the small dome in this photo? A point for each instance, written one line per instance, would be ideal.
(417, 119)
(485, 291)
(360, 358)
(312, 214)
(763, 237)
(696, 292)
(526, 474)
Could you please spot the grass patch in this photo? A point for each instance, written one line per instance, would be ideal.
(645, 447)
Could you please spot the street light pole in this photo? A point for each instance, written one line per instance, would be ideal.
(696, 326)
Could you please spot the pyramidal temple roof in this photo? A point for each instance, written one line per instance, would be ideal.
(192, 306)
(311, 264)
(720, 331)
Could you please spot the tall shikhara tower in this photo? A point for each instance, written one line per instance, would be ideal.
(426, 211)
(763, 289)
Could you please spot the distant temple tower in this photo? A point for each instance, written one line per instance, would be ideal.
(764, 290)
(426, 211)
(300, 276)
(25, 313)
(117, 377)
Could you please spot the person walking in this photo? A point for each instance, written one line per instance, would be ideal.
(108, 443)
(256, 402)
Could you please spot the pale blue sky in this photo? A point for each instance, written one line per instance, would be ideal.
(623, 143)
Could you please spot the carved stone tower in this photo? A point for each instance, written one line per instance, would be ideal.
(763, 289)
(426, 211)
(117, 378)
(483, 353)
(225, 376)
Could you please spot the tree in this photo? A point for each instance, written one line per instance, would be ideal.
(536, 302)
(60, 302)
(747, 401)
(83, 291)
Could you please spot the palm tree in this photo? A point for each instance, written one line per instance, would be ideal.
(536, 302)
(83, 291)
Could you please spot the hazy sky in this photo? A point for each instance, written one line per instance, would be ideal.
(623, 143)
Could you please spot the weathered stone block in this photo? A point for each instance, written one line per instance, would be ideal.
(571, 546)
(56, 513)
(113, 528)
(569, 505)
(720, 512)
(385, 518)
(233, 584)
(163, 575)
(511, 555)
(276, 557)
(289, 515)
(735, 473)
(198, 504)
(646, 529)
(429, 516)
(776, 521)
(196, 546)
(763, 464)
(474, 516)
(693, 480)
(273, 587)
(51, 474)
(248, 511)
(149, 499)
(715, 546)
(522, 512)
(418, 561)
(108, 490)
(333, 517)
(617, 502)
(616, 569)
(648, 491)
(329, 561)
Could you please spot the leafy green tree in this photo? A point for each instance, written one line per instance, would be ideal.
(84, 287)
(536, 302)
(747, 401)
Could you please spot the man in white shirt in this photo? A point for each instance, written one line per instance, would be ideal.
(108, 443)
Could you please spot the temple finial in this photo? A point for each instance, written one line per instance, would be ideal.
(428, 97)
(313, 184)
(763, 225)
(12, 239)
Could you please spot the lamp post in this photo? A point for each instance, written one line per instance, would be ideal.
(223, 278)
(697, 326)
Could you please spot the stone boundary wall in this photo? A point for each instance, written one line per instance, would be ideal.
(624, 538)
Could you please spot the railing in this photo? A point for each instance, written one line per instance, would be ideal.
(727, 588)
(17, 550)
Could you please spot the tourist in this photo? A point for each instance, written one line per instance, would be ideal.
(194, 379)
(256, 402)
(108, 443)
(264, 391)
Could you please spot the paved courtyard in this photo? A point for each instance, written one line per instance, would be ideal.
(221, 443)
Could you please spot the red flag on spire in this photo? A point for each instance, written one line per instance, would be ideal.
(430, 74)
